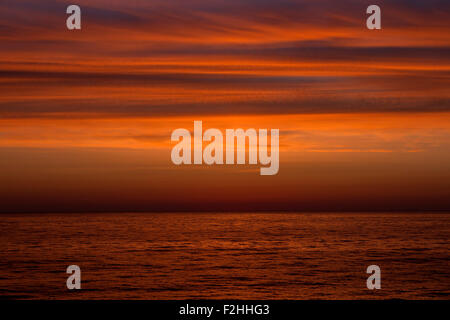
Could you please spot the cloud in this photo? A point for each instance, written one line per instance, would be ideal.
(155, 58)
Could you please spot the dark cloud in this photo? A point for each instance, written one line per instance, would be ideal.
(34, 63)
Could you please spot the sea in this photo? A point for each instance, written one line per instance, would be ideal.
(225, 255)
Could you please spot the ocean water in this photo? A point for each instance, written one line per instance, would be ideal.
(225, 255)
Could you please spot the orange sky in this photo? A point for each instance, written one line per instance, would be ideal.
(86, 116)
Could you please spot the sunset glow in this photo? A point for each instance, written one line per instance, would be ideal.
(86, 117)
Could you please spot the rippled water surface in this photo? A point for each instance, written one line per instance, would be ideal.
(219, 255)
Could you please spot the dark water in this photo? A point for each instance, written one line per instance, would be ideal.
(245, 256)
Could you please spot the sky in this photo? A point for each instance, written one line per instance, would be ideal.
(86, 116)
